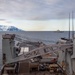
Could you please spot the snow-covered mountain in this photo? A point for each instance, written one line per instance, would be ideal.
(9, 28)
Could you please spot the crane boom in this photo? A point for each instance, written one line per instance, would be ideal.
(50, 49)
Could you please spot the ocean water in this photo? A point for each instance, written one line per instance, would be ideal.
(47, 37)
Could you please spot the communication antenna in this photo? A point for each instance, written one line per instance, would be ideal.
(72, 25)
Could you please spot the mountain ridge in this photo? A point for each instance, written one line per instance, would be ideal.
(9, 28)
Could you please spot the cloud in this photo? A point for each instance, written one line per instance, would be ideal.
(36, 9)
(50, 2)
(2, 19)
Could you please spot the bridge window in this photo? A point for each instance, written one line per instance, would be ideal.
(24, 50)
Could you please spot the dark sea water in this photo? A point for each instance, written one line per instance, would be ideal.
(47, 37)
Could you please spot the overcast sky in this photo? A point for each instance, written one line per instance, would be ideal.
(36, 15)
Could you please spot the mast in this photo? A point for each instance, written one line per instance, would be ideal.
(72, 25)
(69, 25)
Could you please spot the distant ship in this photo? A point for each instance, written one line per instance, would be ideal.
(58, 31)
